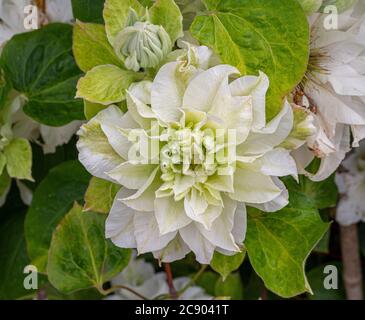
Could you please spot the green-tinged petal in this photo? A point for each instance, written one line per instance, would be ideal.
(147, 233)
(18, 154)
(105, 84)
(182, 184)
(167, 92)
(132, 176)
(219, 182)
(253, 187)
(198, 209)
(170, 215)
(199, 95)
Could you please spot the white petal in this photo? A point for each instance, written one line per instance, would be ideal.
(202, 248)
(132, 176)
(277, 162)
(175, 250)
(203, 89)
(167, 92)
(95, 151)
(112, 120)
(142, 91)
(220, 234)
(143, 199)
(170, 215)
(240, 223)
(257, 88)
(119, 226)
(140, 112)
(253, 187)
(278, 203)
(57, 136)
(26, 194)
(147, 233)
(271, 136)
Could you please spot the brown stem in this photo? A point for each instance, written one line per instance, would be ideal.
(352, 274)
(170, 282)
(41, 4)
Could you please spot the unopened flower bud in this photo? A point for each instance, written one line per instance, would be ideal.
(142, 44)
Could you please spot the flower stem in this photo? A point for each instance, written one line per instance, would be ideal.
(170, 282)
(352, 274)
(118, 287)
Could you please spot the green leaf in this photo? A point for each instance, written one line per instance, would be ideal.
(88, 10)
(40, 65)
(52, 199)
(13, 257)
(5, 89)
(100, 195)
(92, 109)
(323, 244)
(18, 154)
(91, 47)
(253, 35)
(324, 194)
(310, 6)
(167, 14)
(116, 13)
(80, 257)
(231, 287)
(225, 265)
(105, 84)
(279, 243)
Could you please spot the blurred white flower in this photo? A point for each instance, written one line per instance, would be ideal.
(334, 90)
(351, 185)
(12, 15)
(140, 276)
(48, 137)
(177, 204)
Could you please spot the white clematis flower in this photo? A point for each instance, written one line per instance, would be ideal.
(335, 90)
(12, 15)
(351, 185)
(140, 276)
(190, 194)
